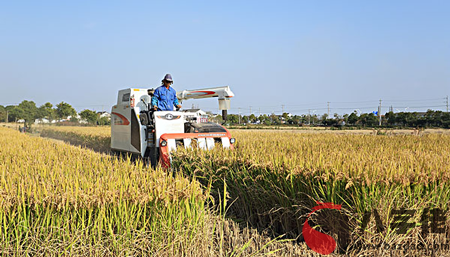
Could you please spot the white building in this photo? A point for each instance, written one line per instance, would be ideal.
(41, 121)
(104, 114)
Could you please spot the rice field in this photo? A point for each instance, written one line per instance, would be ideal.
(98, 138)
(276, 178)
(57, 199)
(270, 182)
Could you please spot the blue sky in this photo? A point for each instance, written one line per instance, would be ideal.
(300, 54)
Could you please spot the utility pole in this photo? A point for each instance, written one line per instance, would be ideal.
(239, 116)
(250, 110)
(7, 116)
(309, 116)
(379, 114)
(282, 109)
(259, 111)
(447, 102)
(328, 104)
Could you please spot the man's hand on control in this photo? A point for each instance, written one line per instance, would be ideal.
(155, 108)
(179, 106)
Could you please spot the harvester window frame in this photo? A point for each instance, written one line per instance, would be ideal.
(126, 97)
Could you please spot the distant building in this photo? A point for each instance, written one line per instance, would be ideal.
(104, 114)
(78, 117)
(41, 121)
(196, 111)
(197, 114)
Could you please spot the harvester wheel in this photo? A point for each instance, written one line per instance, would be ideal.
(153, 156)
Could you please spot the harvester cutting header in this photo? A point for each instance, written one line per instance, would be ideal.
(143, 126)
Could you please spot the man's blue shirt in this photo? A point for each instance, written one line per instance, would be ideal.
(165, 98)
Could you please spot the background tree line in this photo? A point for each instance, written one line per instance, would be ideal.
(29, 112)
(400, 119)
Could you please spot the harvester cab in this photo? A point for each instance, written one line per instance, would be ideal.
(138, 130)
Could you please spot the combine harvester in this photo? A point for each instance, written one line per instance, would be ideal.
(138, 130)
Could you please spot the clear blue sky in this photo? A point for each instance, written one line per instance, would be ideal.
(301, 54)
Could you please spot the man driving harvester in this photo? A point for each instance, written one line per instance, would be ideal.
(165, 97)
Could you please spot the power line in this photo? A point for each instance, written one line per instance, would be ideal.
(427, 106)
(417, 100)
(368, 101)
(10, 104)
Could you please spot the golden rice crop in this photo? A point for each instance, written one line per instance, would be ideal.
(56, 195)
(275, 178)
(100, 131)
(97, 138)
(391, 159)
(366, 158)
(57, 199)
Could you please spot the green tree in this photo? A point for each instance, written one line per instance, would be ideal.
(391, 118)
(252, 118)
(28, 112)
(245, 119)
(46, 111)
(217, 118)
(89, 116)
(369, 119)
(262, 118)
(353, 118)
(74, 119)
(2, 113)
(63, 110)
(274, 119)
(345, 117)
(304, 118)
(446, 120)
(437, 118)
(104, 121)
(13, 114)
(233, 118)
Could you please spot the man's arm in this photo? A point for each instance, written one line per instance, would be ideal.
(175, 101)
(155, 99)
